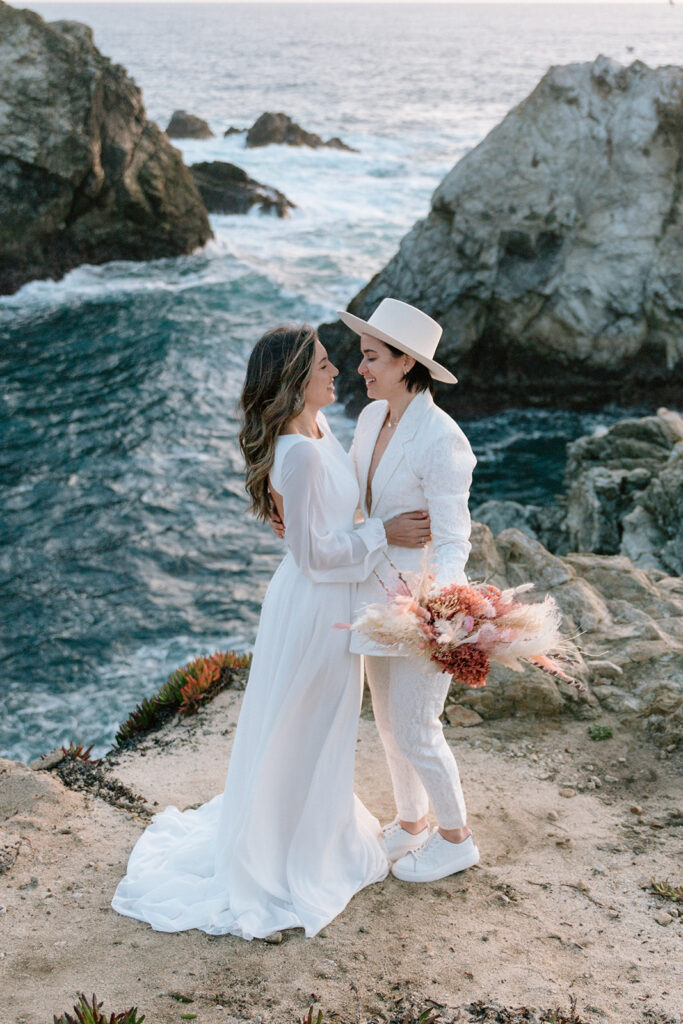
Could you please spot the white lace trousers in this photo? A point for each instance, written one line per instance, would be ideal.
(407, 702)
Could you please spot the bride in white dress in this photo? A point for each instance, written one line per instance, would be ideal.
(287, 843)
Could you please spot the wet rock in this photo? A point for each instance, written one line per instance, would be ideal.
(226, 188)
(84, 176)
(279, 129)
(187, 126)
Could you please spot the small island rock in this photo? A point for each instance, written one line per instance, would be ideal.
(226, 188)
(279, 128)
(84, 176)
(187, 126)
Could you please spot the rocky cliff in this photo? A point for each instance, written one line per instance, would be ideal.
(84, 176)
(553, 252)
(628, 624)
(623, 495)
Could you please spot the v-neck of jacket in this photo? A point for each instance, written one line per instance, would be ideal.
(388, 458)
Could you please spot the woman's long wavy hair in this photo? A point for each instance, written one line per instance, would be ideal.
(278, 371)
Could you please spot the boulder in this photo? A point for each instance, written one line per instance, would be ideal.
(625, 492)
(84, 176)
(552, 254)
(499, 515)
(187, 126)
(280, 129)
(628, 625)
(226, 188)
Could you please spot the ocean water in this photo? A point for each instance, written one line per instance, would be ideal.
(125, 547)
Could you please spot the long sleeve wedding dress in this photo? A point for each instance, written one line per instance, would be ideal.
(287, 843)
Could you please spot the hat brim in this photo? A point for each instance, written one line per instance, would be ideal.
(436, 370)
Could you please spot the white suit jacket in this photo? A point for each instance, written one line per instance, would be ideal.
(427, 464)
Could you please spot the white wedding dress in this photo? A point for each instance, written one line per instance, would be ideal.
(287, 843)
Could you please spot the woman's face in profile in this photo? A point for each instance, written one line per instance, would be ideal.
(380, 369)
(320, 388)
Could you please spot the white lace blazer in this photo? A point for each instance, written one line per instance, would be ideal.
(428, 463)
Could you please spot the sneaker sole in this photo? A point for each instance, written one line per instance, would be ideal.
(436, 874)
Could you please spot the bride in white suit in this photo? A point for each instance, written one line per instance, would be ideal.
(410, 454)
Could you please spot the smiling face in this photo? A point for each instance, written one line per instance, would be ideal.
(382, 371)
(320, 388)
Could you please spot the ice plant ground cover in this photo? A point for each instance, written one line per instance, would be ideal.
(465, 628)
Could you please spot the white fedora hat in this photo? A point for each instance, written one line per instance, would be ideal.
(406, 328)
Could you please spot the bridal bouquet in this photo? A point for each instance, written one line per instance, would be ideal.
(463, 629)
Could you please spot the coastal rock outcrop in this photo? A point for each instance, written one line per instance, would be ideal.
(84, 176)
(629, 625)
(553, 251)
(623, 495)
(226, 188)
(279, 128)
(187, 126)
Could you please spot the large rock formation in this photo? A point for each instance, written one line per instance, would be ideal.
(84, 176)
(226, 188)
(624, 495)
(187, 126)
(279, 128)
(553, 252)
(628, 624)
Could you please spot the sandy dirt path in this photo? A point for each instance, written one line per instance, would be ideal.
(555, 909)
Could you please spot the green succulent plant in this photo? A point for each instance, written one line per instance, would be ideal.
(596, 731)
(183, 691)
(91, 1013)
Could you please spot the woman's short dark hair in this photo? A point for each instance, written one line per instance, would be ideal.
(417, 379)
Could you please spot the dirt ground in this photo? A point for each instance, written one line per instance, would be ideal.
(570, 832)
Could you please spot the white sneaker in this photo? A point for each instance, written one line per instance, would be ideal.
(398, 842)
(435, 859)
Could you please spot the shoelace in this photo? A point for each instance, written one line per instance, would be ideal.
(392, 829)
(430, 843)
(421, 850)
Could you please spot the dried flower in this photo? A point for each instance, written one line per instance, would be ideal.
(463, 628)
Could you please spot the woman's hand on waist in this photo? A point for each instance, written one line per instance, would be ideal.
(275, 522)
(409, 529)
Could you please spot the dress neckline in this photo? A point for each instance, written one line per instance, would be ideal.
(304, 436)
(296, 433)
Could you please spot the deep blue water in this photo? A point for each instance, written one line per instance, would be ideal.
(124, 544)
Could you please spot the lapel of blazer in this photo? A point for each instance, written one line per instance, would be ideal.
(374, 419)
(405, 431)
